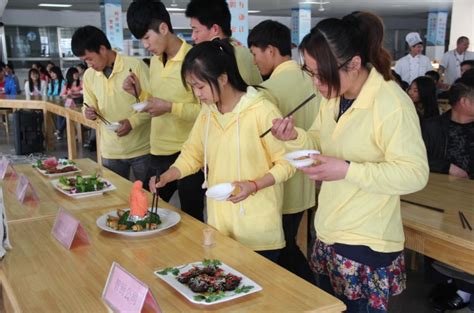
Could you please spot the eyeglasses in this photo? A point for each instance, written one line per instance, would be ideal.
(312, 74)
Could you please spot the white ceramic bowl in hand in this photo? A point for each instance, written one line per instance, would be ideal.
(301, 158)
(139, 106)
(112, 126)
(220, 192)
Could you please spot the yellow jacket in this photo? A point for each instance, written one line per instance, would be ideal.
(112, 102)
(380, 135)
(247, 68)
(170, 130)
(300, 191)
(230, 146)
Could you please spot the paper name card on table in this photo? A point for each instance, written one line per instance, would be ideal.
(4, 165)
(123, 292)
(22, 189)
(67, 229)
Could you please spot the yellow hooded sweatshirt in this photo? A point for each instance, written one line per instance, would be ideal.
(380, 135)
(229, 145)
(300, 191)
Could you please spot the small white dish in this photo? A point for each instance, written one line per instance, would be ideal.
(220, 192)
(112, 126)
(139, 106)
(301, 158)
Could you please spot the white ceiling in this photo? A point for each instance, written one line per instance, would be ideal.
(282, 7)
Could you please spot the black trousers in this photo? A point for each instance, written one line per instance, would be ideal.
(191, 194)
(291, 256)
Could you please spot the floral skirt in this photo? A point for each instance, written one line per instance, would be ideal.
(354, 280)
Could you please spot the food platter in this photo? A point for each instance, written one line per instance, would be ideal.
(171, 274)
(77, 194)
(168, 219)
(55, 168)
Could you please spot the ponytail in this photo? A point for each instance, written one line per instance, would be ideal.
(372, 27)
(334, 42)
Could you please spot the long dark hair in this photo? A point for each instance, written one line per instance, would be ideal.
(70, 77)
(334, 42)
(31, 83)
(427, 94)
(209, 60)
(56, 70)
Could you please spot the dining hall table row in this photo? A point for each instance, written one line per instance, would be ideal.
(39, 274)
(52, 106)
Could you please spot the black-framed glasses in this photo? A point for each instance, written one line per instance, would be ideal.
(312, 74)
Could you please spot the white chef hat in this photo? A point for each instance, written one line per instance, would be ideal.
(413, 39)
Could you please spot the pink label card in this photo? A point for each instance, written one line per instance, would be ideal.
(66, 228)
(21, 187)
(123, 292)
(3, 167)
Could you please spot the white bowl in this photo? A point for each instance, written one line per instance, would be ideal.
(139, 106)
(112, 126)
(293, 156)
(220, 192)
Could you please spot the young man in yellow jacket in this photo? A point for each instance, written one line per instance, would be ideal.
(210, 19)
(287, 87)
(173, 108)
(127, 147)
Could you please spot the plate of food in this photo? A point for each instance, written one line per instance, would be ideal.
(82, 186)
(52, 167)
(208, 282)
(120, 222)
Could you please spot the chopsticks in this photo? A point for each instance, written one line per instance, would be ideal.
(464, 221)
(154, 201)
(103, 119)
(291, 112)
(135, 89)
(425, 206)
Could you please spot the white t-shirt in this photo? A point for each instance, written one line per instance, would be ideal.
(36, 91)
(410, 67)
(451, 62)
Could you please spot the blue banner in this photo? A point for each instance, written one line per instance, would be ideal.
(111, 21)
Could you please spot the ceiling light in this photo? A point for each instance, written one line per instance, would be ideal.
(254, 11)
(54, 5)
(175, 10)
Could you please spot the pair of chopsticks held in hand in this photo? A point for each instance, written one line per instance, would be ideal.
(154, 201)
(291, 112)
(103, 119)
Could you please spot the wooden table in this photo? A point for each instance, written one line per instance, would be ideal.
(40, 275)
(440, 235)
(51, 199)
(50, 106)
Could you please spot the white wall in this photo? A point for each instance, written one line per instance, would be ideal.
(462, 22)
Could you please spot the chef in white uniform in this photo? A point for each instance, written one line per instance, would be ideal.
(414, 64)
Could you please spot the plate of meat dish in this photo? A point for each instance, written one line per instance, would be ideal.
(52, 167)
(208, 282)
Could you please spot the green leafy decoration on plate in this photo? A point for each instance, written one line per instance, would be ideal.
(172, 270)
(208, 262)
(212, 297)
(243, 289)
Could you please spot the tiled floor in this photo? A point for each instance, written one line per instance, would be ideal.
(413, 300)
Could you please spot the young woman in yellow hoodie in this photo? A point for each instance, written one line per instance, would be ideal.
(371, 153)
(225, 141)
